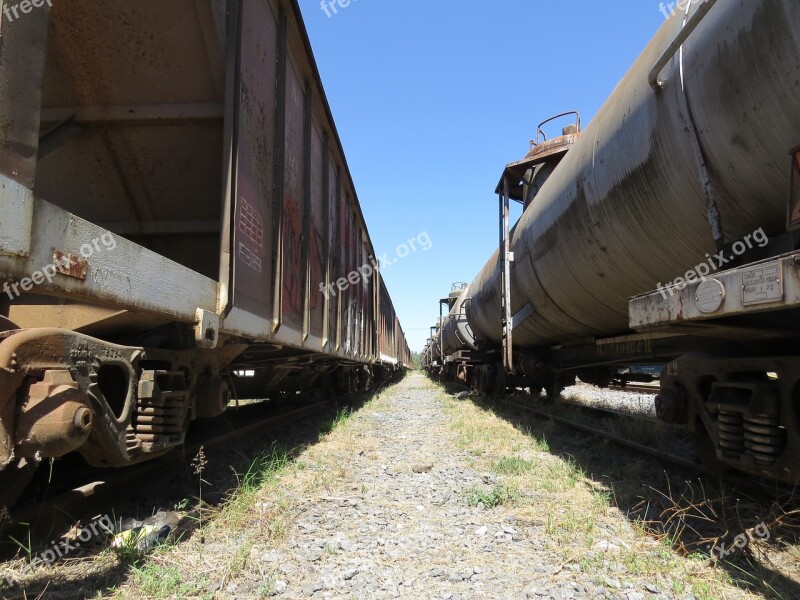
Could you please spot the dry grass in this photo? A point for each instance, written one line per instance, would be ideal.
(576, 513)
(270, 491)
(755, 539)
(703, 519)
(257, 516)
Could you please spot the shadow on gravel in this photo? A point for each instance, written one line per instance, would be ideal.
(226, 470)
(696, 515)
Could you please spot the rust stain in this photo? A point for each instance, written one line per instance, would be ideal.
(552, 147)
(70, 265)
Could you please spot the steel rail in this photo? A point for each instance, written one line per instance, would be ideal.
(637, 389)
(609, 411)
(641, 448)
(70, 501)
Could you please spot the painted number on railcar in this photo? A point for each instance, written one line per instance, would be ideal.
(762, 284)
(251, 230)
(250, 223)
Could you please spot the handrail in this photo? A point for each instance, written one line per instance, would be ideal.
(679, 40)
(541, 134)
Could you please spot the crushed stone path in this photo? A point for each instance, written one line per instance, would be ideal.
(393, 521)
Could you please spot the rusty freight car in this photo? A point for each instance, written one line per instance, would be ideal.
(173, 196)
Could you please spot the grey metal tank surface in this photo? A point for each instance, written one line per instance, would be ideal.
(456, 332)
(659, 177)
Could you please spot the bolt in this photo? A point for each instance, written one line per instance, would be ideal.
(82, 419)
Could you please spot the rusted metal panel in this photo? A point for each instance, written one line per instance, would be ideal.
(17, 222)
(71, 265)
(21, 67)
(292, 234)
(352, 291)
(347, 260)
(390, 344)
(334, 252)
(317, 226)
(360, 296)
(347, 306)
(318, 243)
(253, 235)
(103, 71)
(328, 184)
(366, 302)
(140, 85)
(336, 259)
(279, 170)
(341, 269)
(22, 59)
(306, 240)
(793, 219)
(150, 123)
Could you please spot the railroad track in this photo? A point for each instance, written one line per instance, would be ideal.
(60, 511)
(755, 485)
(673, 459)
(638, 388)
(608, 411)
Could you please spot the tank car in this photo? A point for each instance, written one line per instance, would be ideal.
(659, 235)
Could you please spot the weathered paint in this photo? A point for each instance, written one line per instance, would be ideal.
(206, 93)
(762, 286)
(629, 204)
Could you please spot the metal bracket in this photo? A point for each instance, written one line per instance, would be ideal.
(206, 329)
(522, 316)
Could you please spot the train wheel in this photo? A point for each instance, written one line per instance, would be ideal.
(553, 389)
(706, 452)
(483, 380)
(497, 382)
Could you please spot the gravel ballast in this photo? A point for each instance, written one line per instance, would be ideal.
(390, 505)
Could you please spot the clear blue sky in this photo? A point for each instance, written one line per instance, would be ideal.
(432, 98)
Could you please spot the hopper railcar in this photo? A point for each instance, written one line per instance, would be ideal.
(174, 199)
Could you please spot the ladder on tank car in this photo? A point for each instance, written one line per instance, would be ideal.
(506, 258)
(543, 157)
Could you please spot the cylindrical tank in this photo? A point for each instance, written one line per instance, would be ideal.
(627, 208)
(436, 344)
(456, 332)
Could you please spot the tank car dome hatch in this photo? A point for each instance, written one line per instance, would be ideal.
(524, 178)
(457, 288)
(455, 292)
